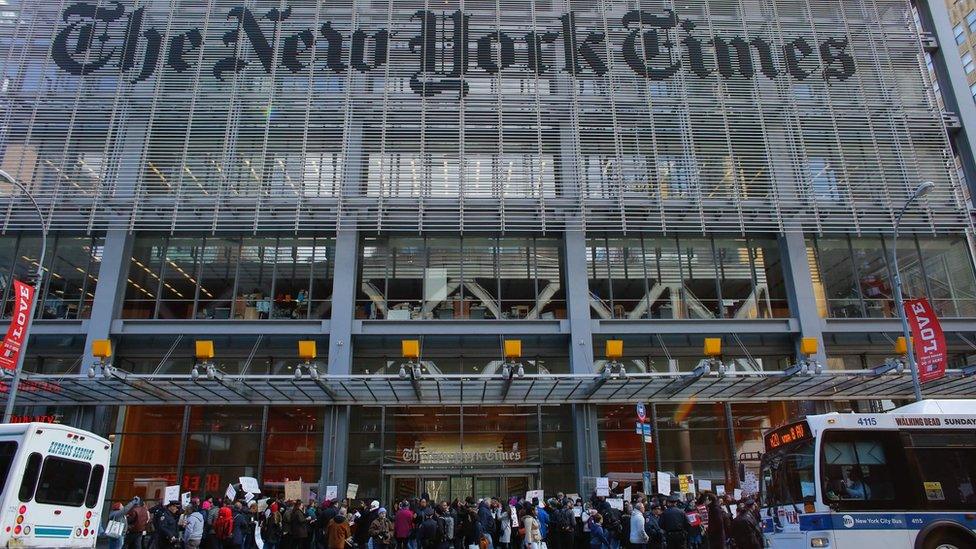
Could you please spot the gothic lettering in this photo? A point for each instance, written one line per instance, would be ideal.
(656, 46)
(651, 49)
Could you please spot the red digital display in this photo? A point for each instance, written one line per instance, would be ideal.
(787, 434)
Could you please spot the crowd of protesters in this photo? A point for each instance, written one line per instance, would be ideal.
(657, 522)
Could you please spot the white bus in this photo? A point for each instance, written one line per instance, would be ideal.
(901, 479)
(53, 485)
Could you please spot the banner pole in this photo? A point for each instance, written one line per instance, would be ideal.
(15, 384)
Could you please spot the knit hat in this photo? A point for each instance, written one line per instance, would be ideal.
(206, 505)
(374, 505)
(382, 511)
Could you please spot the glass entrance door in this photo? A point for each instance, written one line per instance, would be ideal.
(448, 487)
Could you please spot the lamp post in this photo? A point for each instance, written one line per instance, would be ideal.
(923, 189)
(12, 393)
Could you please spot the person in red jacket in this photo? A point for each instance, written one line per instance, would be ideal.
(403, 525)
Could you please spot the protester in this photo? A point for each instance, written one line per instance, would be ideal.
(745, 530)
(381, 530)
(193, 528)
(271, 527)
(638, 534)
(533, 531)
(598, 535)
(338, 532)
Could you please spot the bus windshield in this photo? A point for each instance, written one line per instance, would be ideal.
(788, 475)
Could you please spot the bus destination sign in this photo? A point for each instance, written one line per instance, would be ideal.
(787, 434)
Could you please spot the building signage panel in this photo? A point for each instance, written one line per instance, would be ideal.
(598, 115)
(14, 340)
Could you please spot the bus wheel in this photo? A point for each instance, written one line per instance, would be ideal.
(947, 539)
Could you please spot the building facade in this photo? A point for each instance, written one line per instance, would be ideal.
(560, 173)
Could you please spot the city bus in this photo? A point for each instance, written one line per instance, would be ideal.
(53, 484)
(900, 479)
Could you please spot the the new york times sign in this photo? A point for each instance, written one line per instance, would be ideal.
(655, 45)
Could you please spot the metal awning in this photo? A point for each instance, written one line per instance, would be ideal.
(147, 389)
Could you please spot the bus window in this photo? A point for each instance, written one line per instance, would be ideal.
(946, 465)
(787, 475)
(859, 470)
(8, 449)
(63, 482)
(29, 482)
(94, 486)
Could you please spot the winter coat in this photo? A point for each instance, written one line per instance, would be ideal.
(240, 527)
(194, 526)
(533, 533)
(598, 537)
(271, 531)
(138, 518)
(637, 533)
(403, 523)
(746, 533)
(715, 530)
(337, 533)
(298, 524)
(381, 530)
(505, 535)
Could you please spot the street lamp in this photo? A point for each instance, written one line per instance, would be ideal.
(923, 189)
(12, 395)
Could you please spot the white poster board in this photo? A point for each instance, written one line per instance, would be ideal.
(628, 493)
(535, 494)
(250, 485)
(720, 489)
(230, 493)
(172, 493)
(185, 499)
(603, 486)
(331, 493)
(663, 483)
(616, 503)
(737, 494)
(352, 490)
(293, 490)
(704, 485)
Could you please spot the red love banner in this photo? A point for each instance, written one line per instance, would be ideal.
(928, 341)
(14, 340)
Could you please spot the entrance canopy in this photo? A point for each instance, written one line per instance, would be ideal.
(138, 389)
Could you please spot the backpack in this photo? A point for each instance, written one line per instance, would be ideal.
(224, 528)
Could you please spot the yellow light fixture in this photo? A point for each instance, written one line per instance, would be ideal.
(410, 349)
(513, 349)
(713, 347)
(809, 346)
(204, 349)
(101, 348)
(900, 347)
(614, 349)
(307, 350)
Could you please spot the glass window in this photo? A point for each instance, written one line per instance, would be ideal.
(959, 33)
(31, 472)
(946, 463)
(949, 275)
(861, 470)
(180, 273)
(144, 275)
(73, 269)
(94, 486)
(971, 21)
(967, 62)
(8, 449)
(788, 475)
(63, 482)
(217, 299)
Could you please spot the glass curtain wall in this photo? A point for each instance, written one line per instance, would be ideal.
(217, 446)
(480, 277)
(71, 272)
(226, 278)
(491, 445)
(657, 277)
(853, 276)
(689, 438)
